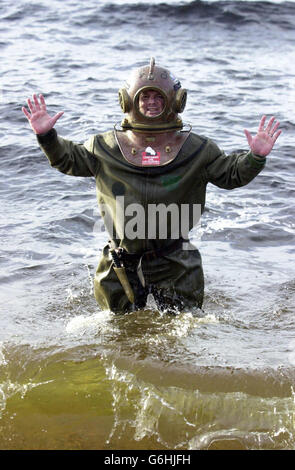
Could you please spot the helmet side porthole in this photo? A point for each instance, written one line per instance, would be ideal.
(124, 100)
(180, 100)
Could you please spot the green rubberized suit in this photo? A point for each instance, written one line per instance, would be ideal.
(174, 278)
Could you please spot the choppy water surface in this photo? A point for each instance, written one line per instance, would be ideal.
(86, 379)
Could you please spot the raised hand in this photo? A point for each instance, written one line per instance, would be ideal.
(264, 140)
(38, 117)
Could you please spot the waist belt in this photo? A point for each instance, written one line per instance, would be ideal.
(151, 254)
(135, 259)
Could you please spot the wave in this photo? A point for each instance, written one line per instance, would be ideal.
(146, 403)
(146, 14)
(228, 12)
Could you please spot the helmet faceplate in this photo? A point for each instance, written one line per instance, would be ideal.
(158, 79)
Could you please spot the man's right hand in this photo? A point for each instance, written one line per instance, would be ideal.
(39, 119)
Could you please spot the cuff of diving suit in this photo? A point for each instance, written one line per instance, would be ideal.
(256, 161)
(47, 138)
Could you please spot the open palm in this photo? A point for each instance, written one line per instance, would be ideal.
(262, 143)
(38, 117)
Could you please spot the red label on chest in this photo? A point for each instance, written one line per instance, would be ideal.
(148, 159)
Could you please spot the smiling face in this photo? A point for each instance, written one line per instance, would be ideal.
(151, 103)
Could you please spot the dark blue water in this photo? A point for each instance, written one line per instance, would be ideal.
(85, 378)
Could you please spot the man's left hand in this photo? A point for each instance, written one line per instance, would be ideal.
(264, 140)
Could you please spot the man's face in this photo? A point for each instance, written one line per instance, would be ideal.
(151, 103)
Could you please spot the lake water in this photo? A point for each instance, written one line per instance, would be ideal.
(75, 377)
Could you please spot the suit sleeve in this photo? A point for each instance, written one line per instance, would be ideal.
(234, 170)
(68, 157)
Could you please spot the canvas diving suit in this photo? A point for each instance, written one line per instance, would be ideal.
(170, 268)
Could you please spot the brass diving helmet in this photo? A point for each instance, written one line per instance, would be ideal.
(159, 79)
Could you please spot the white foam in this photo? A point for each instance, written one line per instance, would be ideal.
(90, 324)
(3, 361)
(209, 318)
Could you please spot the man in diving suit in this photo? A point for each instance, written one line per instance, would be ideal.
(151, 161)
